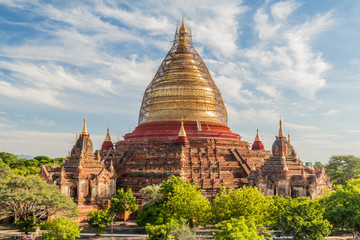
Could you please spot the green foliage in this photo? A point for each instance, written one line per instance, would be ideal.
(319, 165)
(151, 213)
(5, 171)
(177, 230)
(237, 229)
(179, 199)
(7, 158)
(341, 168)
(301, 218)
(26, 167)
(99, 219)
(123, 202)
(60, 228)
(24, 197)
(342, 206)
(27, 226)
(246, 201)
(159, 232)
(151, 192)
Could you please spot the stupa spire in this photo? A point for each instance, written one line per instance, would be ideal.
(107, 137)
(84, 131)
(182, 132)
(281, 133)
(257, 145)
(289, 139)
(183, 27)
(257, 138)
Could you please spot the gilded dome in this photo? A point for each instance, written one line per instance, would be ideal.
(182, 89)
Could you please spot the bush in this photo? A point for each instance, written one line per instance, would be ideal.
(235, 229)
(99, 219)
(60, 228)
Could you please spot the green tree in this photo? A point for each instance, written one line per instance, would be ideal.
(177, 230)
(342, 206)
(60, 228)
(123, 202)
(8, 158)
(237, 229)
(179, 200)
(319, 165)
(5, 171)
(151, 192)
(341, 168)
(302, 218)
(99, 219)
(25, 197)
(246, 201)
(29, 225)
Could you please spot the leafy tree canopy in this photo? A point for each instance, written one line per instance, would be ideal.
(179, 199)
(248, 202)
(301, 218)
(341, 168)
(60, 228)
(27, 166)
(24, 197)
(99, 219)
(171, 230)
(8, 158)
(237, 229)
(342, 206)
(123, 201)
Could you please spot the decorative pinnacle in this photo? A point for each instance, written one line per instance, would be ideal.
(182, 156)
(281, 134)
(183, 27)
(182, 34)
(107, 138)
(84, 131)
(289, 139)
(182, 132)
(257, 138)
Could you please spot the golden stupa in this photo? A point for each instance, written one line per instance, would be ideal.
(182, 89)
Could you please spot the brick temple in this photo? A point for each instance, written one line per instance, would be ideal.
(182, 130)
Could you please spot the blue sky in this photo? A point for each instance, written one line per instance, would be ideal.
(60, 60)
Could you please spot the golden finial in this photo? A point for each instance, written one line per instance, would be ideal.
(77, 137)
(84, 131)
(281, 134)
(183, 27)
(303, 173)
(111, 164)
(182, 132)
(183, 33)
(98, 155)
(68, 154)
(182, 155)
(107, 138)
(289, 139)
(257, 138)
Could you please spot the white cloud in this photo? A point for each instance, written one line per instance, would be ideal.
(331, 112)
(46, 97)
(284, 55)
